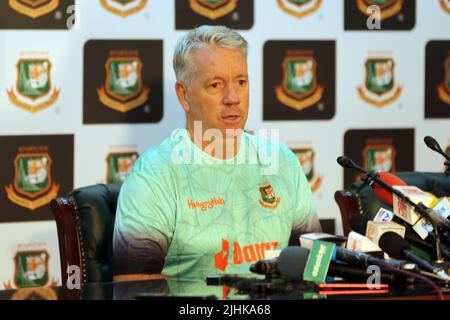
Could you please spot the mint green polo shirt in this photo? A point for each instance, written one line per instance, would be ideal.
(192, 215)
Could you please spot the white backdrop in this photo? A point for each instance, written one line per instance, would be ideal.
(157, 22)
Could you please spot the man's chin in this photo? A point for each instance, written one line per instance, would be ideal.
(232, 132)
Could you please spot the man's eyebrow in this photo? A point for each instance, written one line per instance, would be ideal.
(213, 78)
(242, 75)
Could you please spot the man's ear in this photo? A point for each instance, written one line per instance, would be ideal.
(181, 91)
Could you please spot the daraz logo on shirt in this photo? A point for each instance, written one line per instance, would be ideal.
(247, 254)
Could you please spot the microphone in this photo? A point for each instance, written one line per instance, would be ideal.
(293, 260)
(434, 145)
(348, 163)
(365, 260)
(360, 258)
(384, 194)
(360, 243)
(266, 267)
(375, 229)
(358, 223)
(397, 247)
(437, 221)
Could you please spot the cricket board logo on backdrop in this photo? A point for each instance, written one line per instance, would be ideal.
(31, 267)
(388, 8)
(213, 9)
(38, 293)
(119, 164)
(306, 158)
(444, 88)
(123, 82)
(445, 5)
(299, 88)
(123, 8)
(33, 91)
(299, 80)
(123, 89)
(437, 80)
(299, 8)
(379, 156)
(34, 8)
(380, 87)
(33, 186)
(378, 149)
(268, 197)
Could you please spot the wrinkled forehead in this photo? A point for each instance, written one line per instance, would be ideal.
(215, 52)
(217, 61)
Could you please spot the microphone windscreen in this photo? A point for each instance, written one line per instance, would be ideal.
(292, 262)
(431, 143)
(383, 194)
(345, 162)
(393, 244)
(357, 223)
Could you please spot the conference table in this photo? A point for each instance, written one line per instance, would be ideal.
(231, 287)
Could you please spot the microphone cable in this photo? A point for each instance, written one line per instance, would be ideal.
(420, 277)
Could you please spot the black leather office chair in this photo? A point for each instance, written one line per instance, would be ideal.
(359, 198)
(85, 224)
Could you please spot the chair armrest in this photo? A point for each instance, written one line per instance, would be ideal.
(69, 236)
(348, 205)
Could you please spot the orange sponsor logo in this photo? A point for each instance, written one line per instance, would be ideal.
(247, 254)
(205, 205)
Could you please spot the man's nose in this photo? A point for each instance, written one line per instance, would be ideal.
(231, 95)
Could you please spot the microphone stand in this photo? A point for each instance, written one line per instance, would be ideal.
(373, 176)
(447, 167)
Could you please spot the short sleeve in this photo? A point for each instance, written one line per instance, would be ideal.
(304, 208)
(145, 219)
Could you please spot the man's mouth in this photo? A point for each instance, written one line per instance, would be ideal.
(232, 118)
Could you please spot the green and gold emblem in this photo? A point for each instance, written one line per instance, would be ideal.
(299, 88)
(123, 89)
(445, 5)
(213, 9)
(123, 8)
(444, 88)
(380, 87)
(379, 157)
(33, 91)
(34, 8)
(38, 293)
(33, 186)
(119, 165)
(299, 8)
(268, 197)
(31, 269)
(388, 8)
(306, 158)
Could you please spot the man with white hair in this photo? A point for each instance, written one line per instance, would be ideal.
(208, 200)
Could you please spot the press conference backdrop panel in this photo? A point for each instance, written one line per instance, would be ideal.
(87, 86)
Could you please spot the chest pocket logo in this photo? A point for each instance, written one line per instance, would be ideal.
(268, 197)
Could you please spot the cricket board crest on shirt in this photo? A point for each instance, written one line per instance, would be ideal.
(268, 197)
